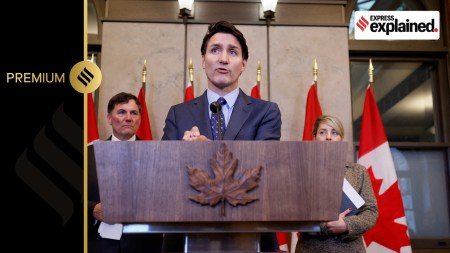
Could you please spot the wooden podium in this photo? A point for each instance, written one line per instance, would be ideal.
(147, 183)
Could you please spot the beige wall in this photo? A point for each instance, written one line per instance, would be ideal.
(125, 47)
(292, 53)
(292, 50)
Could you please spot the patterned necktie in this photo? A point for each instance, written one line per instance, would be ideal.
(215, 120)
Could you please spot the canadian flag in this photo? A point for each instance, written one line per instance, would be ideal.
(255, 91)
(282, 241)
(144, 131)
(92, 133)
(189, 92)
(313, 111)
(390, 233)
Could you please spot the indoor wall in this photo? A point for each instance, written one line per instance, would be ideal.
(285, 48)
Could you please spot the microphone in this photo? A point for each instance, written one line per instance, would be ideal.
(216, 107)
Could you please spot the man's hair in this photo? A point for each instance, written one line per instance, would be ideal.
(122, 98)
(225, 27)
(332, 121)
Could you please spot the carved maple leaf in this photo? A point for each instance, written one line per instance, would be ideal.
(224, 186)
(386, 231)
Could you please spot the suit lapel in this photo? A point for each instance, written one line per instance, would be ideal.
(239, 116)
(200, 114)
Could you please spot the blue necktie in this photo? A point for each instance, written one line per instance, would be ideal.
(215, 120)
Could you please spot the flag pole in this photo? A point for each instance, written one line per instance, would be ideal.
(315, 72)
(255, 92)
(144, 75)
(370, 72)
(189, 87)
(191, 72)
(258, 74)
(144, 131)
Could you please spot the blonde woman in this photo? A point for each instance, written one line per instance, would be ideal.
(344, 234)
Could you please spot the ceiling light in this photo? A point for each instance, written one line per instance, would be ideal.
(186, 8)
(268, 9)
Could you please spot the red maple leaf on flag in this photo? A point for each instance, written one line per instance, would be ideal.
(386, 231)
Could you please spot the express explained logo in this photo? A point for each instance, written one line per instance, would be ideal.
(362, 23)
(397, 25)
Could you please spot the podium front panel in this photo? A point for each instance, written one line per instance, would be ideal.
(148, 182)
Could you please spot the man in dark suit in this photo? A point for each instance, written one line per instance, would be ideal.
(251, 119)
(124, 116)
(224, 58)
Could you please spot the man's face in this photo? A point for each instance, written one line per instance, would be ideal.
(223, 62)
(125, 119)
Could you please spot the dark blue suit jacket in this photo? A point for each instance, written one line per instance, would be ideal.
(251, 119)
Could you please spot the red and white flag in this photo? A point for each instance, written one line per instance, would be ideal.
(313, 111)
(144, 131)
(390, 233)
(255, 91)
(288, 241)
(92, 133)
(189, 92)
(282, 241)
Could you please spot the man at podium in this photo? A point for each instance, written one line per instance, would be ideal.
(223, 111)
